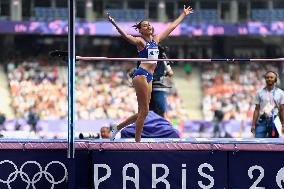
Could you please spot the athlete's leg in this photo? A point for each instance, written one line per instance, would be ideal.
(128, 121)
(133, 118)
(143, 98)
(149, 92)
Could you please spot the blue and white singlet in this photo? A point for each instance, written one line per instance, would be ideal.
(150, 51)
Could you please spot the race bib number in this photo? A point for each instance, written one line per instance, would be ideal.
(153, 53)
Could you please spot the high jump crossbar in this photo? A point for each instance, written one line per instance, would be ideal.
(182, 60)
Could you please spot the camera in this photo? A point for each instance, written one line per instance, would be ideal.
(89, 135)
(163, 51)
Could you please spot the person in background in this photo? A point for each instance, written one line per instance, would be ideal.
(217, 122)
(269, 104)
(32, 119)
(187, 69)
(2, 122)
(158, 102)
(105, 132)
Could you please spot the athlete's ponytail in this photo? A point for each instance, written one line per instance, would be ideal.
(137, 26)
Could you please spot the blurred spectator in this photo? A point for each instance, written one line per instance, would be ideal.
(18, 126)
(2, 121)
(187, 68)
(217, 122)
(32, 119)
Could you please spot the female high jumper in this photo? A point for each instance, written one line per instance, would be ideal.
(147, 47)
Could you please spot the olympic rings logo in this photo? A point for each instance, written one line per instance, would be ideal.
(31, 182)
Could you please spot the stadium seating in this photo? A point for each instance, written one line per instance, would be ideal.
(267, 15)
(47, 14)
(127, 15)
(204, 15)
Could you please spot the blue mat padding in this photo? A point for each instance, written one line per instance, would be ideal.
(155, 126)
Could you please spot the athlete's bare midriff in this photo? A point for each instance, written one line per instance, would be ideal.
(149, 67)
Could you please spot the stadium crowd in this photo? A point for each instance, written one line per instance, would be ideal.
(102, 91)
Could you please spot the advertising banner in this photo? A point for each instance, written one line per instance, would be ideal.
(136, 168)
(41, 169)
(104, 28)
(251, 170)
(159, 169)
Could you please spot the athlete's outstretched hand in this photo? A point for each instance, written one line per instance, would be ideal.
(110, 18)
(187, 10)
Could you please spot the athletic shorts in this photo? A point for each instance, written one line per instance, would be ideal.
(142, 71)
